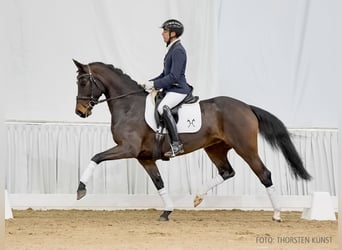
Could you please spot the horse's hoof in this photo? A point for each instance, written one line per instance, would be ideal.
(81, 194)
(161, 218)
(277, 219)
(198, 199)
(165, 216)
(276, 216)
(81, 191)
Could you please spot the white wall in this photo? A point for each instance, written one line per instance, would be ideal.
(280, 55)
(42, 37)
(284, 56)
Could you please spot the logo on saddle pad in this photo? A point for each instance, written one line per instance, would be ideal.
(189, 121)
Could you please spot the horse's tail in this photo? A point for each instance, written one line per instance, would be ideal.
(275, 133)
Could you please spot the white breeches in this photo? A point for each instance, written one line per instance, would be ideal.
(171, 100)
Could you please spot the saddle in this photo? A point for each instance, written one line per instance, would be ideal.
(190, 98)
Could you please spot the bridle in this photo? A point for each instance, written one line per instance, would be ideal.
(93, 81)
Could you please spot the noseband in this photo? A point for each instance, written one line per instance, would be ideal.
(92, 100)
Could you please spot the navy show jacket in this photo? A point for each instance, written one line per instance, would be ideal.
(172, 79)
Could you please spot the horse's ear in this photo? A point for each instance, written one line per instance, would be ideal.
(79, 65)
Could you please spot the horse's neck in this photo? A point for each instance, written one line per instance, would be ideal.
(125, 109)
(117, 87)
(121, 93)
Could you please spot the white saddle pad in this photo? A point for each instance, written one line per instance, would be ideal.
(190, 120)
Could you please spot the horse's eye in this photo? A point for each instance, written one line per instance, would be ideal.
(82, 83)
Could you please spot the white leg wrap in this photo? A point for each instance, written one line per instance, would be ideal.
(168, 204)
(210, 184)
(88, 173)
(271, 194)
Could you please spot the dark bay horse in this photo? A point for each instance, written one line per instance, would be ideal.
(227, 124)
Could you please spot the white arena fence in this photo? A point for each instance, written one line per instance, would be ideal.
(45, 160)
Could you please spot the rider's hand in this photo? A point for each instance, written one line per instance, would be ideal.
(147, 85)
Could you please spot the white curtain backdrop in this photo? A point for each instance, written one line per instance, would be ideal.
(283, 56)
(47, 158)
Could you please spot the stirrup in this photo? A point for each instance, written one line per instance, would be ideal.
(176, 148)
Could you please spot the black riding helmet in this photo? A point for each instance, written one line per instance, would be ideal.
(173, 25)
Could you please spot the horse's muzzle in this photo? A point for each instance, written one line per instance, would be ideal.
(82, 110)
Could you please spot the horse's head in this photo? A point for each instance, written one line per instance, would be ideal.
(97, 78)
(88, 91)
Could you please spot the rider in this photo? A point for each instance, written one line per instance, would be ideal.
(172, 81)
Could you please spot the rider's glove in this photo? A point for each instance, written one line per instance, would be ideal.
(147, 85)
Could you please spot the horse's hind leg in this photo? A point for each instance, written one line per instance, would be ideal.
(218, 155)
(264, 176)
(152, 170)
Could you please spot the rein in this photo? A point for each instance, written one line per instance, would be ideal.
(93, 101)
(118, 97)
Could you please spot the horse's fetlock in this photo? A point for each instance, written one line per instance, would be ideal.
(227, 174)
(266, 179)
(158, 182)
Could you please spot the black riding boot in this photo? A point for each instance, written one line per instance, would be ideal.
(176, 145)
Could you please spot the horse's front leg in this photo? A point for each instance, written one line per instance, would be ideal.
(117, 152)
(152, 170)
